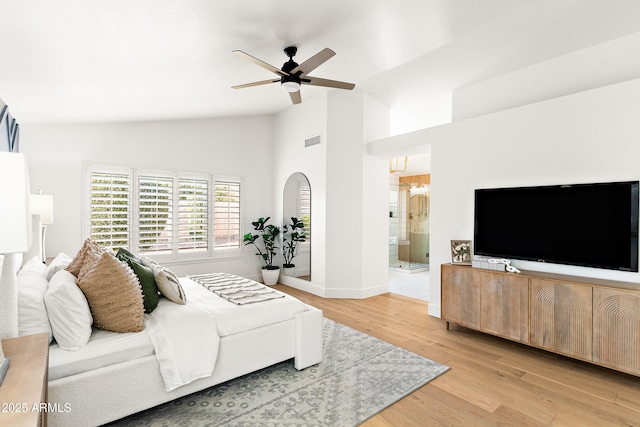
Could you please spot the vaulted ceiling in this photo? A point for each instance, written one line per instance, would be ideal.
(97, 60)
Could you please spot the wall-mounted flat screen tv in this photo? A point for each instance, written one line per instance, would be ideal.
(590, 225)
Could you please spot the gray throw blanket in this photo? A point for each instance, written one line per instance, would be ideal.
(236, 289)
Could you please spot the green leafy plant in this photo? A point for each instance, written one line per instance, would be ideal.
(267, 233)
(292, 236)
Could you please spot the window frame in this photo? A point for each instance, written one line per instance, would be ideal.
(134, 174)
(227, 252)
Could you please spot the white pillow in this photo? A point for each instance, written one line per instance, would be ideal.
(166, 281)
(69, 312)
(60, 262)
(168, 284)
(35, 265)
(32, 313)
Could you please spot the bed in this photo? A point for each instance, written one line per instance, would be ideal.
(182, 349)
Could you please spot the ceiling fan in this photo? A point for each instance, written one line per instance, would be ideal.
(293, 75)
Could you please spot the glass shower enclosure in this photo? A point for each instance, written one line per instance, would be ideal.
(409, 227)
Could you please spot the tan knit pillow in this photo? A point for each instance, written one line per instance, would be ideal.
(89, 249)
(113, 292)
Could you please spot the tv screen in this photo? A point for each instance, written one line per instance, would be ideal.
(591, 225)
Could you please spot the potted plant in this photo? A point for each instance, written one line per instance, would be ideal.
(268, 234)
(292, 235)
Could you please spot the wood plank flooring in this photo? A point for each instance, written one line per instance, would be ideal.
(492, 381)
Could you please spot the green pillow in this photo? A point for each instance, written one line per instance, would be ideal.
(150, 295)
(145, 276)
(124, 255)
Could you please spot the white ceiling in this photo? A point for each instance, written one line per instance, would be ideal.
(97, 60)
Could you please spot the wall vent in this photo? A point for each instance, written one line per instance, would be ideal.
(314, 140)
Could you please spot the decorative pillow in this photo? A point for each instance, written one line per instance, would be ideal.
(32, 313)
(168, 284)
(60, 262)
(35, 265)
(145, 275)
(148, 262)
(124, 255)
(69, 312)
(89, 248)
(147, 283)
(91, 258)
(114, 295)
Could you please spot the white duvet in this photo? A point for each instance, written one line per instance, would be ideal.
(186, 337)
(186, 342)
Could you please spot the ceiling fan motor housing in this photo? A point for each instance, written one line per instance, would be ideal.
(288, 66)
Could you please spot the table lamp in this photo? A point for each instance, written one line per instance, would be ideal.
(42, 204)
(15, 238)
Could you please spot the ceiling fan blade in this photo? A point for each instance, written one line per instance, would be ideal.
(314, 62)
(295, 97)
(262, 82)
(315, 81)
(259, 62)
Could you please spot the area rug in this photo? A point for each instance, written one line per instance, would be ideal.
(358, 377)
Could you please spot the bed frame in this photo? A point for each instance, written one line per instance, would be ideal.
(112, 392)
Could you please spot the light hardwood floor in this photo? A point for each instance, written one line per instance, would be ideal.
(492, 381)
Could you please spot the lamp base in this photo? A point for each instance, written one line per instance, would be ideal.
(4, 367)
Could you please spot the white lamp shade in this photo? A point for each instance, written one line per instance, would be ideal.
(42, 204)
(15, 212)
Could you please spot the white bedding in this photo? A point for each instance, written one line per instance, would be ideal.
(185, 338)
(232, 319)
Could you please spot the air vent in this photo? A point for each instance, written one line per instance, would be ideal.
(314, 140)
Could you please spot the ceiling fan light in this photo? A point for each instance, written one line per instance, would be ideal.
(290, 86)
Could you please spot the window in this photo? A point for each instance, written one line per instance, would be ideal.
(109, 222)
(155, 214)
(226, 211)
(304, 210)
(163, 213)
(193, 215)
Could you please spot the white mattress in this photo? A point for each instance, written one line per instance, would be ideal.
(104, 348)
(107, 348)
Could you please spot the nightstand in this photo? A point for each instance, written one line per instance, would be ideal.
(23, 393)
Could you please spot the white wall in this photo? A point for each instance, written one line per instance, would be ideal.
(230, 146)
(349, 191)
(290, 129)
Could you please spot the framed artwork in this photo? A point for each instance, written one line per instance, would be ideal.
(461, 252)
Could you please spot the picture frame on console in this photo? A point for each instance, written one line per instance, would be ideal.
(461, 252)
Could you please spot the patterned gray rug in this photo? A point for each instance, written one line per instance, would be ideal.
(358, 377)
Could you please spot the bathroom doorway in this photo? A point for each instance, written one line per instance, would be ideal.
(409, 228)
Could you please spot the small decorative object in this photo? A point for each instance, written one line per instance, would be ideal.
(482, 262)
(510, 268)
(292, 235)
(268, 233)
(461, 252)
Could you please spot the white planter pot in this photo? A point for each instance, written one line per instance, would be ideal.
(289, 271)
(270, 277)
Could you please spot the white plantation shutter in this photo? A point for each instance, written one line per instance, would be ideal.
(155, 214)
(226, 214)
(110, 208)
(165, 213)
(304, 210)
(193, 214)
